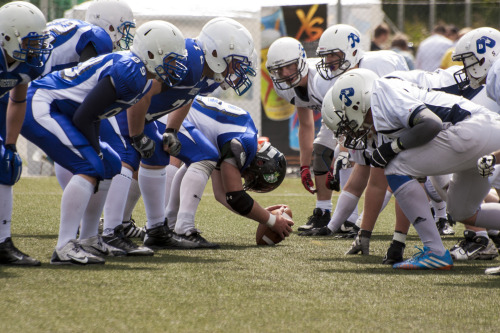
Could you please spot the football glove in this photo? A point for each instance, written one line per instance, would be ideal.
(171, 142)
(486, 165)
(143, 144)
(305, 175)
(385, 153)
(11, 165)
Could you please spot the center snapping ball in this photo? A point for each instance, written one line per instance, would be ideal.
(265, 235)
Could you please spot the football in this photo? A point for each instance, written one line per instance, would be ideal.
(265, 235)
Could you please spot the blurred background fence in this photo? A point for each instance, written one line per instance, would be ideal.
(267, 20)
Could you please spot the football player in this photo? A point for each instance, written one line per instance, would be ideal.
(222, 55)
(64, 113)
(340, 51)
(292, 75)
(425, 133)
(24, 51)
(220, 139)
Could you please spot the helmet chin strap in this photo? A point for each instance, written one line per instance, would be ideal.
(219, 78)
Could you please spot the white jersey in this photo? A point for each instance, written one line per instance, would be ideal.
(444, 80)
(394, 102)
(493, 82)
(380, 62)
(299, 96)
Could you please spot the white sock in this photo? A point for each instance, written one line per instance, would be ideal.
(170, 170)
(192, 187)
(134, 194)
(324, 205)
(6, 202)
(344, 175)
(439, 209)
(175, 197)
(63, 175)
(90, 222)
(152, 184)
(482, 233)
(413, 201)
(345, 205)
(488, 216)
(74, 201)
(116, 200)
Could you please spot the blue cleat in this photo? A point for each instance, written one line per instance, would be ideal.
(426, 259)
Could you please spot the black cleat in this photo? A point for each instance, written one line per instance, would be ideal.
(131, 230)
(164, 238)
(118, 239)
(10, 255)
(444, 227)
(318, 219)
(199, 240)
(394, 253)
(325, 231)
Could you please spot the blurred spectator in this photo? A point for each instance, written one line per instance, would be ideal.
(452, 33)
(446, 61)
(380, 37)
(431, 50)
(400, 45)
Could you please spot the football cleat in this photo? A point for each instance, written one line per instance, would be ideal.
(73, 254)
(492, 271)
(394, 253)
(162, 237)
(425, 259)
(98, 247)
(195, 237)
(131, 230)
(118, 239)
(474, 247)
(318, 219)
(495, 238)
(360, 244)
(10, 255)
(325, 231)
(444, 227)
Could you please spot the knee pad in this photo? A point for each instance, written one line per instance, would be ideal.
(204, 166)
(322, 159)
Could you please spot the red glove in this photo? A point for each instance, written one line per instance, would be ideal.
(307, 181)
(332, 181)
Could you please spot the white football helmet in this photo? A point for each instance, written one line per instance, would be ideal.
(116, 18)
(286, 62)
(161, 47)
(226, 42)
(340, 49)
(477, 50)
(346, 104)
(22, 34)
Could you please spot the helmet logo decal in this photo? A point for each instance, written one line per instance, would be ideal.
(353, 38)
(484, 42)
(345, 94)
(271, 177)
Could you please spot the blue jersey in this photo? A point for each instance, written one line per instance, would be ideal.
(66, 89)
(221, 122)
(69, 38)
(194, 84)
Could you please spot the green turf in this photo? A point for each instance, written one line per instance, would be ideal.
(301, 285)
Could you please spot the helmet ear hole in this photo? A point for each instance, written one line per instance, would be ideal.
(214, 53)
(151, 55)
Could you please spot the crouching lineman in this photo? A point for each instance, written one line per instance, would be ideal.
(24, 51)
(220, 139)
(424, 133)
(63, 117)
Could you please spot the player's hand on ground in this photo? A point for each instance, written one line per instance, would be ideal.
(486, 165)
(144, 145)
(324, 231)
(305, 175)
(171, 143)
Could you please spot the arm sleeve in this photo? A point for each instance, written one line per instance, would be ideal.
(88, 52)
(424, 126)
(96, 102)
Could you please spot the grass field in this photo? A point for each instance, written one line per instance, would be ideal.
(302, 285)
